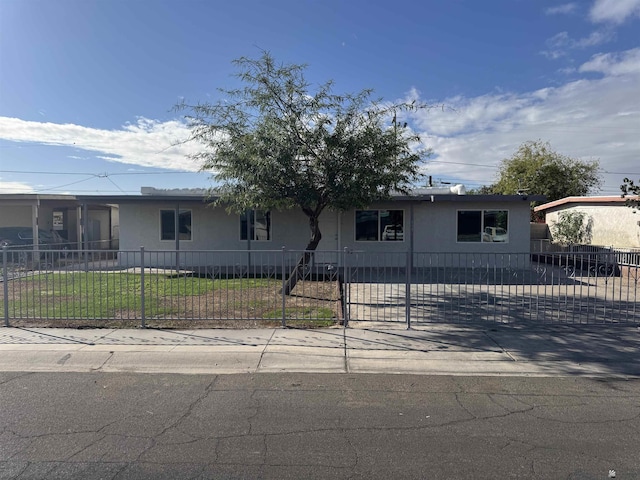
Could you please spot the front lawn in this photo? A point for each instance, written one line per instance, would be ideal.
(167, 299)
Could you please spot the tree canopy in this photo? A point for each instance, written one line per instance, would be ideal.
(629, 188)
(276, 143)
(535, 169)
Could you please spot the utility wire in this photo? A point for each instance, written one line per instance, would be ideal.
(67, 184)
(94, 174)
(116, 185)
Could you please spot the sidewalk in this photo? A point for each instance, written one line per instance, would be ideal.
(513, 350)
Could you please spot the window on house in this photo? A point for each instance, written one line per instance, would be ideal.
(168, 224)
(379, 225)
(488, 226)
(255, 225)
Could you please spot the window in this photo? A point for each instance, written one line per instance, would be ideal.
(255, 225)
(379, 225)
(488, 226)
(58, 220)
(168, 224)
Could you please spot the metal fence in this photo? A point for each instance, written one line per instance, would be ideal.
(623, 256)
(286, 287)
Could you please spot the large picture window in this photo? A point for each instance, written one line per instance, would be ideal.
(487, 226)
(255, 225)
(379, 225)
(168, 224)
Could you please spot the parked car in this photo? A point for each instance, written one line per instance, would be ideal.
(22, 238)
(495, 234)
(393, 232)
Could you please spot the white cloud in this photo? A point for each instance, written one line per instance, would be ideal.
(587, 119)
(147, 143)
(614, 11)
(15, 187)
(561, 9)
(623, 63)
(560, 44)
(598, 37)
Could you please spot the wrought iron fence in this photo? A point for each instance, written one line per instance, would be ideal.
(287, 287)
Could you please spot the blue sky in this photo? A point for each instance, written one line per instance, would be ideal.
(87, 87)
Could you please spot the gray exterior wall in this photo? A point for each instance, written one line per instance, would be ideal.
(434, 230)
(215, 229)
(15, 216)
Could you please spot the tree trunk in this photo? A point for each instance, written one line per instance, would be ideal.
(298, 271)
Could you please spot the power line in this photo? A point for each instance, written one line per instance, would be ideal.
(27, 172)
(66, 184)
(465, 164)
(57, 189)
(620, 173)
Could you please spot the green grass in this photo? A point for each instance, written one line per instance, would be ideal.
(109, 294)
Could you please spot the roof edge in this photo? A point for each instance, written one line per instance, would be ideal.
(568, 200)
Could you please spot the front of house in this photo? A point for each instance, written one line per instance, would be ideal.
(430, 220)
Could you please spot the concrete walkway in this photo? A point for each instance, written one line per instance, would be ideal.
(513, 350)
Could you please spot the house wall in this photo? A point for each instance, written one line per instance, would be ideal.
(15, 216)
(539, 231)
(215, 229)
(613, 224)
(99, 223)
(434, 230)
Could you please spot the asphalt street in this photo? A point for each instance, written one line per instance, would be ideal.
(298, 425)
(377, 402)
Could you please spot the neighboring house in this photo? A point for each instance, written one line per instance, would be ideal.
(431, 220)
(63, 215)
(612, 222)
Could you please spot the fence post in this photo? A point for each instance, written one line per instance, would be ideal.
(407, 290)
(142, 312)
(284, 308)
(345, 289)
(5, 285)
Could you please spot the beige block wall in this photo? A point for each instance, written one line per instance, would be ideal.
(613, 225)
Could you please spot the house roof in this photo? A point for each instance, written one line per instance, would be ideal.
(435, 198)
(431, 195)
(594, 200)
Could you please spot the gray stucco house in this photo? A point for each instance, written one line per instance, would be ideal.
(435, 220)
